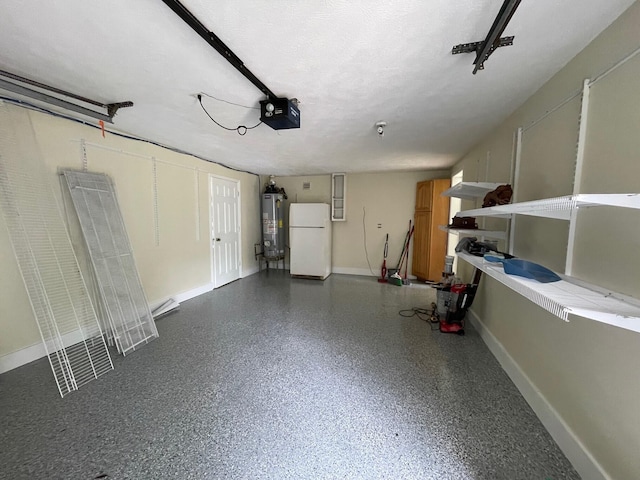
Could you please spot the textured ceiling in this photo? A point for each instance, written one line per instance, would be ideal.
(350, 63)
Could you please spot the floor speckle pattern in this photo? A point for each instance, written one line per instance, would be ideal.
(278, 378)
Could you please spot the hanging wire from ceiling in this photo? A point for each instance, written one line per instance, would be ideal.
(241, 129)
(228, 102)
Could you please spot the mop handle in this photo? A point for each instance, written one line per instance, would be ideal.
(404, 245)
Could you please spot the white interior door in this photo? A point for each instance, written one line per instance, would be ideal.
(225, 230)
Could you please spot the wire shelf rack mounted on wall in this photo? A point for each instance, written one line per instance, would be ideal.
(558, 207)
(470, 190)
(568, 296)
(565, 298)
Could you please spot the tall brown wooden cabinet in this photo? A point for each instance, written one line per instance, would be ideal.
(429, 242)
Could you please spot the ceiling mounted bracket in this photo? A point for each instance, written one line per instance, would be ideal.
(475, 46)
(112, 108)
(485, 48)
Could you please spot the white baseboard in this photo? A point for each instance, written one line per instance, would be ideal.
(249, 271)
(34, 352)
(354, 271)
(340, 270)
(183, 296)
(194, 292)
(569, 443)
(361, 271)
(21, 357)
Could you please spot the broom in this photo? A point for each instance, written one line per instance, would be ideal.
(405, 281)
(396, 278)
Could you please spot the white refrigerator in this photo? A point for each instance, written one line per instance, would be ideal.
(310, 240)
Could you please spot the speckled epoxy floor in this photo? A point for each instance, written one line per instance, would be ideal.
(274, 378)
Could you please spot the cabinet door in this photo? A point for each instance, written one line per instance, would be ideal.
(438, 239)
(424, 194)
(421, 241)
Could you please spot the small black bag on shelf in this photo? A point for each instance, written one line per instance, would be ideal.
(472, 246)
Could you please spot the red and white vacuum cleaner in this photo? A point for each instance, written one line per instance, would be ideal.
(453, 303)
(460, 299)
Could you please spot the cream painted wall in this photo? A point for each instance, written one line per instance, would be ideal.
(319, 188)
(388, 199)
(586, 371)
(172, 260)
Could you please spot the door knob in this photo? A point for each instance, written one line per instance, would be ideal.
(217, 239)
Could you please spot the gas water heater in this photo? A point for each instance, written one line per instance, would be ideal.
(273, 230)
